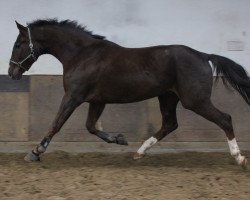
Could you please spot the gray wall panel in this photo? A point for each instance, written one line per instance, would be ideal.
(9, 85)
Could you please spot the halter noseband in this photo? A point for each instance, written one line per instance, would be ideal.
(31, 55)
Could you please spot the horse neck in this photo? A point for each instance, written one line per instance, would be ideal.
(62, 43)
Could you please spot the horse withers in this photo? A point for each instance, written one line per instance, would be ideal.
(101, 72)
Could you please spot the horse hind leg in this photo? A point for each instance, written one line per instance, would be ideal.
(207, 110)
(168, 104)
(95, 111)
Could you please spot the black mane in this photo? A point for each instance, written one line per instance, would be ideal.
(64, 23)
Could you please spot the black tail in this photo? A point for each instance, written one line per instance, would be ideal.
(233, 73)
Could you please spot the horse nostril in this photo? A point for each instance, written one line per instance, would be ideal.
(10, 74)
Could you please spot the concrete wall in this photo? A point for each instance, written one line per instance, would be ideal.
(29, 107)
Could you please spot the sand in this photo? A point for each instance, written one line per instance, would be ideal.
(62, 176)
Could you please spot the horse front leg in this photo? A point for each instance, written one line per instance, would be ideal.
(67, 107)
(95, 111)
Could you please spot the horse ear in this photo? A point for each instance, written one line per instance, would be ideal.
(20, 27)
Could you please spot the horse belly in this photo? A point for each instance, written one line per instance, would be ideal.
(131, 91)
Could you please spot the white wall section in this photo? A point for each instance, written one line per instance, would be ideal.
(213, 26)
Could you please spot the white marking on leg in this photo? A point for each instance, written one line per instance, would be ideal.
(147, 145)
(235, 151)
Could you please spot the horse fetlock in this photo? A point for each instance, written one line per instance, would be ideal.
(138, 156)
(241, 160)
(41, 149)
(109, 139)
(147, 145)
(244, 163)
(235, 153)
(120, 139)
(45, 142)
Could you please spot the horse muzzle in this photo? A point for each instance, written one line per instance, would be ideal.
(15, 72)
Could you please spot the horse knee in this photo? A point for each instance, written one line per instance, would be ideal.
(227, 123)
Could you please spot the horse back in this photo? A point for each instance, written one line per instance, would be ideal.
(134, 74)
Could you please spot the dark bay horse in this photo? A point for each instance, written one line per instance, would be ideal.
(99, 72)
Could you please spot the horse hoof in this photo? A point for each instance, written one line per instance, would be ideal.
(138, 156)
(244, 163)
(31, 157)
(120, 139)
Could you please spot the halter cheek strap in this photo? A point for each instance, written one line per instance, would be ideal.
(31, 55)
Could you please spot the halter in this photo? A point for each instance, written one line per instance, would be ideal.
(31, 55)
